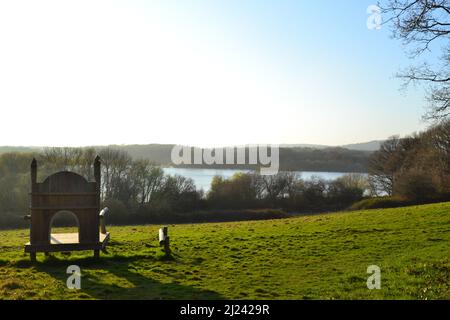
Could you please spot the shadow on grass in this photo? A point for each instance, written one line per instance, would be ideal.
(115, 277)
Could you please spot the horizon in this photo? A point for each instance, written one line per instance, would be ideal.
(193, 146)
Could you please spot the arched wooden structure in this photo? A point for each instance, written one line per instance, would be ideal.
(66, 191)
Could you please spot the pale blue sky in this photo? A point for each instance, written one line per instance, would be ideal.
(207, 73)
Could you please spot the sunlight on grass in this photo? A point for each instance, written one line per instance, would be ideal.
(313, 257)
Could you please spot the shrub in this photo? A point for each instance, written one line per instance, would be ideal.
(417, 186)
(347, 189)
(118, 212)
(380, 203)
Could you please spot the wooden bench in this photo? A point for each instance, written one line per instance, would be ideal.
(66, 192)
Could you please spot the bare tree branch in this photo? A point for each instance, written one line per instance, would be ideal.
(421, 24)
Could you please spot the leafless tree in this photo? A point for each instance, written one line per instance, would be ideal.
(424, 26)
(383, 166)
(147, 179)
(279, 185)
(115, 167)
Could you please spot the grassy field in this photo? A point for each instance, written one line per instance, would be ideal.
(313, 257)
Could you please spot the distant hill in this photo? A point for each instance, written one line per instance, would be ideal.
(305, 145)
(294, 158)
(299, 157)
(364, 146)
(6, 149)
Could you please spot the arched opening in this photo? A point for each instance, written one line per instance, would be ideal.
(67, 220)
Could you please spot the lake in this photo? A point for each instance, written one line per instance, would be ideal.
(203, 177)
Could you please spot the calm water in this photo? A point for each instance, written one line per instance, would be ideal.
(203, 177)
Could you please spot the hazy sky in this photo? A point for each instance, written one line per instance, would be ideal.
(200, 73)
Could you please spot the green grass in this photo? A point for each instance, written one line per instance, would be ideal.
(313, 257)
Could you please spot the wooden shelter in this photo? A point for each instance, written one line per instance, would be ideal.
(66, 192)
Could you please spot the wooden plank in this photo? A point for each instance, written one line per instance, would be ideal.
(64, 238)
(63, 194)
(68, 242)
(105, 240)
(63, 247)
(66, 208)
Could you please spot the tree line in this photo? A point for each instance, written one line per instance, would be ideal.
(286, 190)
(415, 167)
(127, 185)
(138, 191)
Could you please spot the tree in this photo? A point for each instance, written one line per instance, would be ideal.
(115, 167)
(394, 157)
(147, 179)
(314, 193)
(178, 193)
(278, 186)
(238, 192)
(438, 139)
(422, 25)
(78, 160)
(347, 189)
(383, 165)
(416, 185)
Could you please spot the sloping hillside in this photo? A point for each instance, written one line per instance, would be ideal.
(314, 257)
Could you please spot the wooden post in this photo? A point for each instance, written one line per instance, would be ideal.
(33, 256)
(102, 220)
(164, 239)
(167, 245)
(33, 175)
(96, 254)
(34, 189)
(98, 177)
